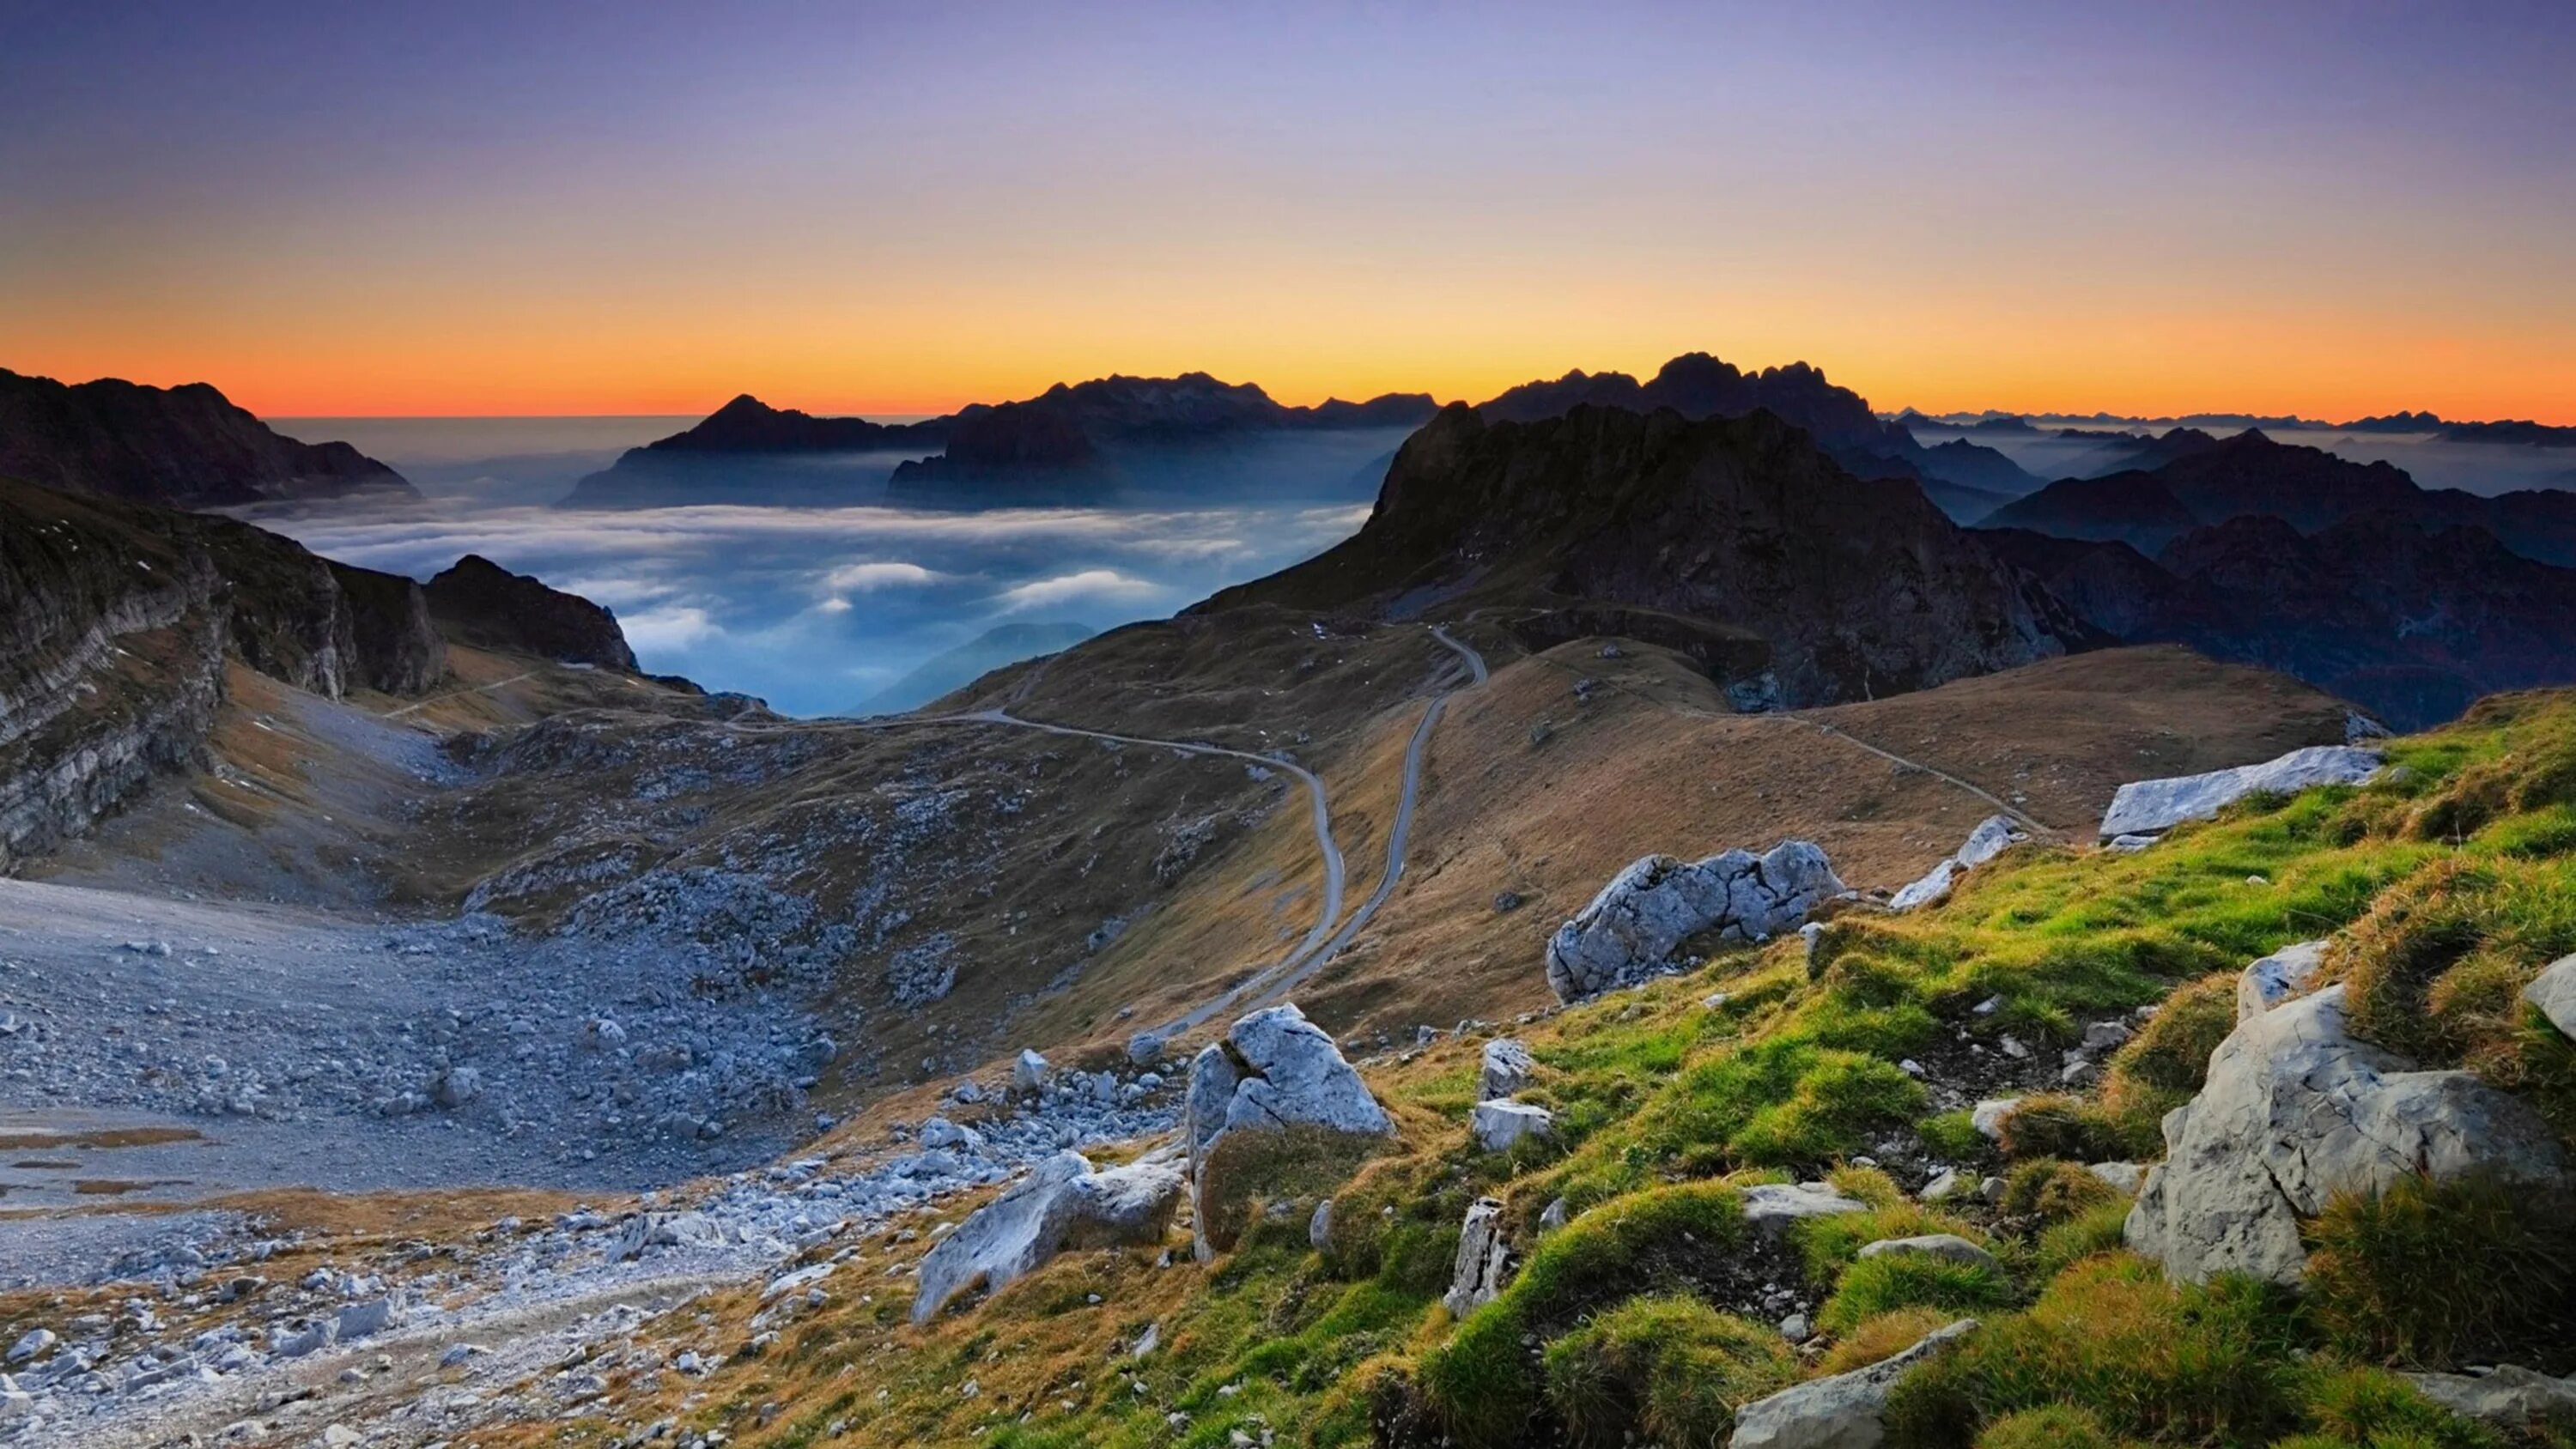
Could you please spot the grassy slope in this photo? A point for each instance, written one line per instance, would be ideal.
(2457, 876)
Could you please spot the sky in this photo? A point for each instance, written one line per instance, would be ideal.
(647, 207)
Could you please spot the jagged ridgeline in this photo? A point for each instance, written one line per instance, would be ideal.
(1915, 1178)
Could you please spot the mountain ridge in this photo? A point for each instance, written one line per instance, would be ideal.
(187, 446)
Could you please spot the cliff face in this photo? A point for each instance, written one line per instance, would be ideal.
(187, 447)
(1860, 586)
(115, 619)
(481, 603)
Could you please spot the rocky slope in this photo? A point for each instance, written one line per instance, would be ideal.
(2208, 482)
(119, 618)
(476, 601)
(1860, 587)
(1959, 475)
(184, 446)
(2412, 623)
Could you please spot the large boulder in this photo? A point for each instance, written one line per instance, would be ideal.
(1275, 1071)
(1063, 1204)
(1992, 837)
(1294, 1075)
(2297, 1110)
(1839, 1411)
(2152, 807)
(1630, 930)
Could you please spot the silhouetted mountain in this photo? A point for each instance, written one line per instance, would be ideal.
(2523, 433)
(2410, 622)
(1074, 443)
(750, 452)
(1841, 587)
(2308, 488)
(2397, 423)
(478, 602)
(187, 447)
(748, 425)
(1697, 385)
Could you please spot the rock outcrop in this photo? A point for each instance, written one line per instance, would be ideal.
(1993, 835)
(1275, 1071)
(1630, 930)
(1485, 1259)
(186, 447)
(2152, 807)
(1063, 1204)
(1505, 1067)
(2508, 1396)
(479, 602)
(1839, 1411)
(1498, 1124)
(2297, 1110)
(115, 619)
(2553, 994)
(1860, 587)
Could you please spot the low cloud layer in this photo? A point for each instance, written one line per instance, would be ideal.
(814, 609)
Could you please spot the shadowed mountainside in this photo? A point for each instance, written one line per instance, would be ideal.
(2308, 488)
(1966, 479)
(476, 601)
(1860, 586)
(187, 446)
(2409, 621)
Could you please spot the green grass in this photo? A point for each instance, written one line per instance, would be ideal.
(1664, 1369)
(2451, 883)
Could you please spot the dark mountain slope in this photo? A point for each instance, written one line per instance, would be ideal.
(1861, 587)
(481, 603)
(1697, 385)
(187, 447)
(2308, 488)
(2411, 622)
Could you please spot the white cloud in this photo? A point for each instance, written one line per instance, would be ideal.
(1105, 585)
(833, 605)
(864, 577)
(675, 627)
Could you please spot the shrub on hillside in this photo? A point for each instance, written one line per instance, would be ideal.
(2053, 1190)
(1479, 1380)
(1666, 1370)
(1890, 1281)
(2177, 1363)
(2054, 1426)
(2430, 1274)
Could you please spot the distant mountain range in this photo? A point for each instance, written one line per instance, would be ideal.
(186, 447)
(2407, 600)
(2508, 431)
(2203, 481)
(1966, 479)
(1075, 443)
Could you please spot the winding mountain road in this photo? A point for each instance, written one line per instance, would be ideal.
(1323, 942)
